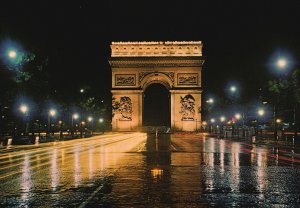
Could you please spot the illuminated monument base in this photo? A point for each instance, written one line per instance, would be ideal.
(137, 65)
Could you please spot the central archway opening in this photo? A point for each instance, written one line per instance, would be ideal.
(156, 109)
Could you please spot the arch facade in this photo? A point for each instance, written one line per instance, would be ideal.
(137, 65)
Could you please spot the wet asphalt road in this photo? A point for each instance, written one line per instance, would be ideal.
(136, 170)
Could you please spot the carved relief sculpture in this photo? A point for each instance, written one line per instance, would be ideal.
(125, 79)
(124, 107)
(187, 107)
(187, 79)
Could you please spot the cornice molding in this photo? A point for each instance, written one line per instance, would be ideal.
(156, 62)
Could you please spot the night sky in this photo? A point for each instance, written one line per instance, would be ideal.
(239, 38)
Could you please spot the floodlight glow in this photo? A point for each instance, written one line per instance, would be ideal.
(90, 119)
(278, 120)
(212, 120)
(101, 120)
(81, 90)
(204, 123)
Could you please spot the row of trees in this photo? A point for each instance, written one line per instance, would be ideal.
(279, 97)
(27, 81)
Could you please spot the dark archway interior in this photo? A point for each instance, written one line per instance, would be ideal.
(156, 106)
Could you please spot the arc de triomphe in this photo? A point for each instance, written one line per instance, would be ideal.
(137, 65)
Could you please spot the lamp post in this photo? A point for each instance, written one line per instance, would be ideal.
(24, 110)
(101, 122)
(82, 123)
(212, 121)
(60, 129)
(51, 113)
(261, 113)
(222, 120)
(75, 116)
(90, 120)
(281, 66)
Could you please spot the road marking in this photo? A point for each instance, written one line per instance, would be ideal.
(91, 196)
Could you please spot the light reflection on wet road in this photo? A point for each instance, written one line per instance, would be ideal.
(136, 170)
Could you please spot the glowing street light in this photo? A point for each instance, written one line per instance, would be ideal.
(281, 63)
(212, 120)
(210, 101)
(12, 54)
(51, 113)
(101, 126)
(278, 120)
(74, 116)
(24, 109)
(261, 112)
(90, 119)
(233, 89)
(222, 119)
(81, 90)
(238, 116)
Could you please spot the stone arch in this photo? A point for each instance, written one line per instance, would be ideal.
(156, 77)
(136, 66)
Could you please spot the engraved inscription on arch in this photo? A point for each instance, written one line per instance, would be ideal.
(187, 79)
(125, 79)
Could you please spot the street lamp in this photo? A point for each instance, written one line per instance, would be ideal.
(24, 110)
(12, 54)
(233, 89)
(75, 116)
(51, 113)
(281, 63)
(210, 101)
(101, 121)
(90, 120)
(238, 116)
(222, 119)
(261, 112)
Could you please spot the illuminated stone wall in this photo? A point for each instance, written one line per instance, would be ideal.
(137, 65)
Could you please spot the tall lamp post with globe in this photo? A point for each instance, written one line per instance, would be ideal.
(51, 114)
(282, 67)
(24, 110)
(75, 116)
